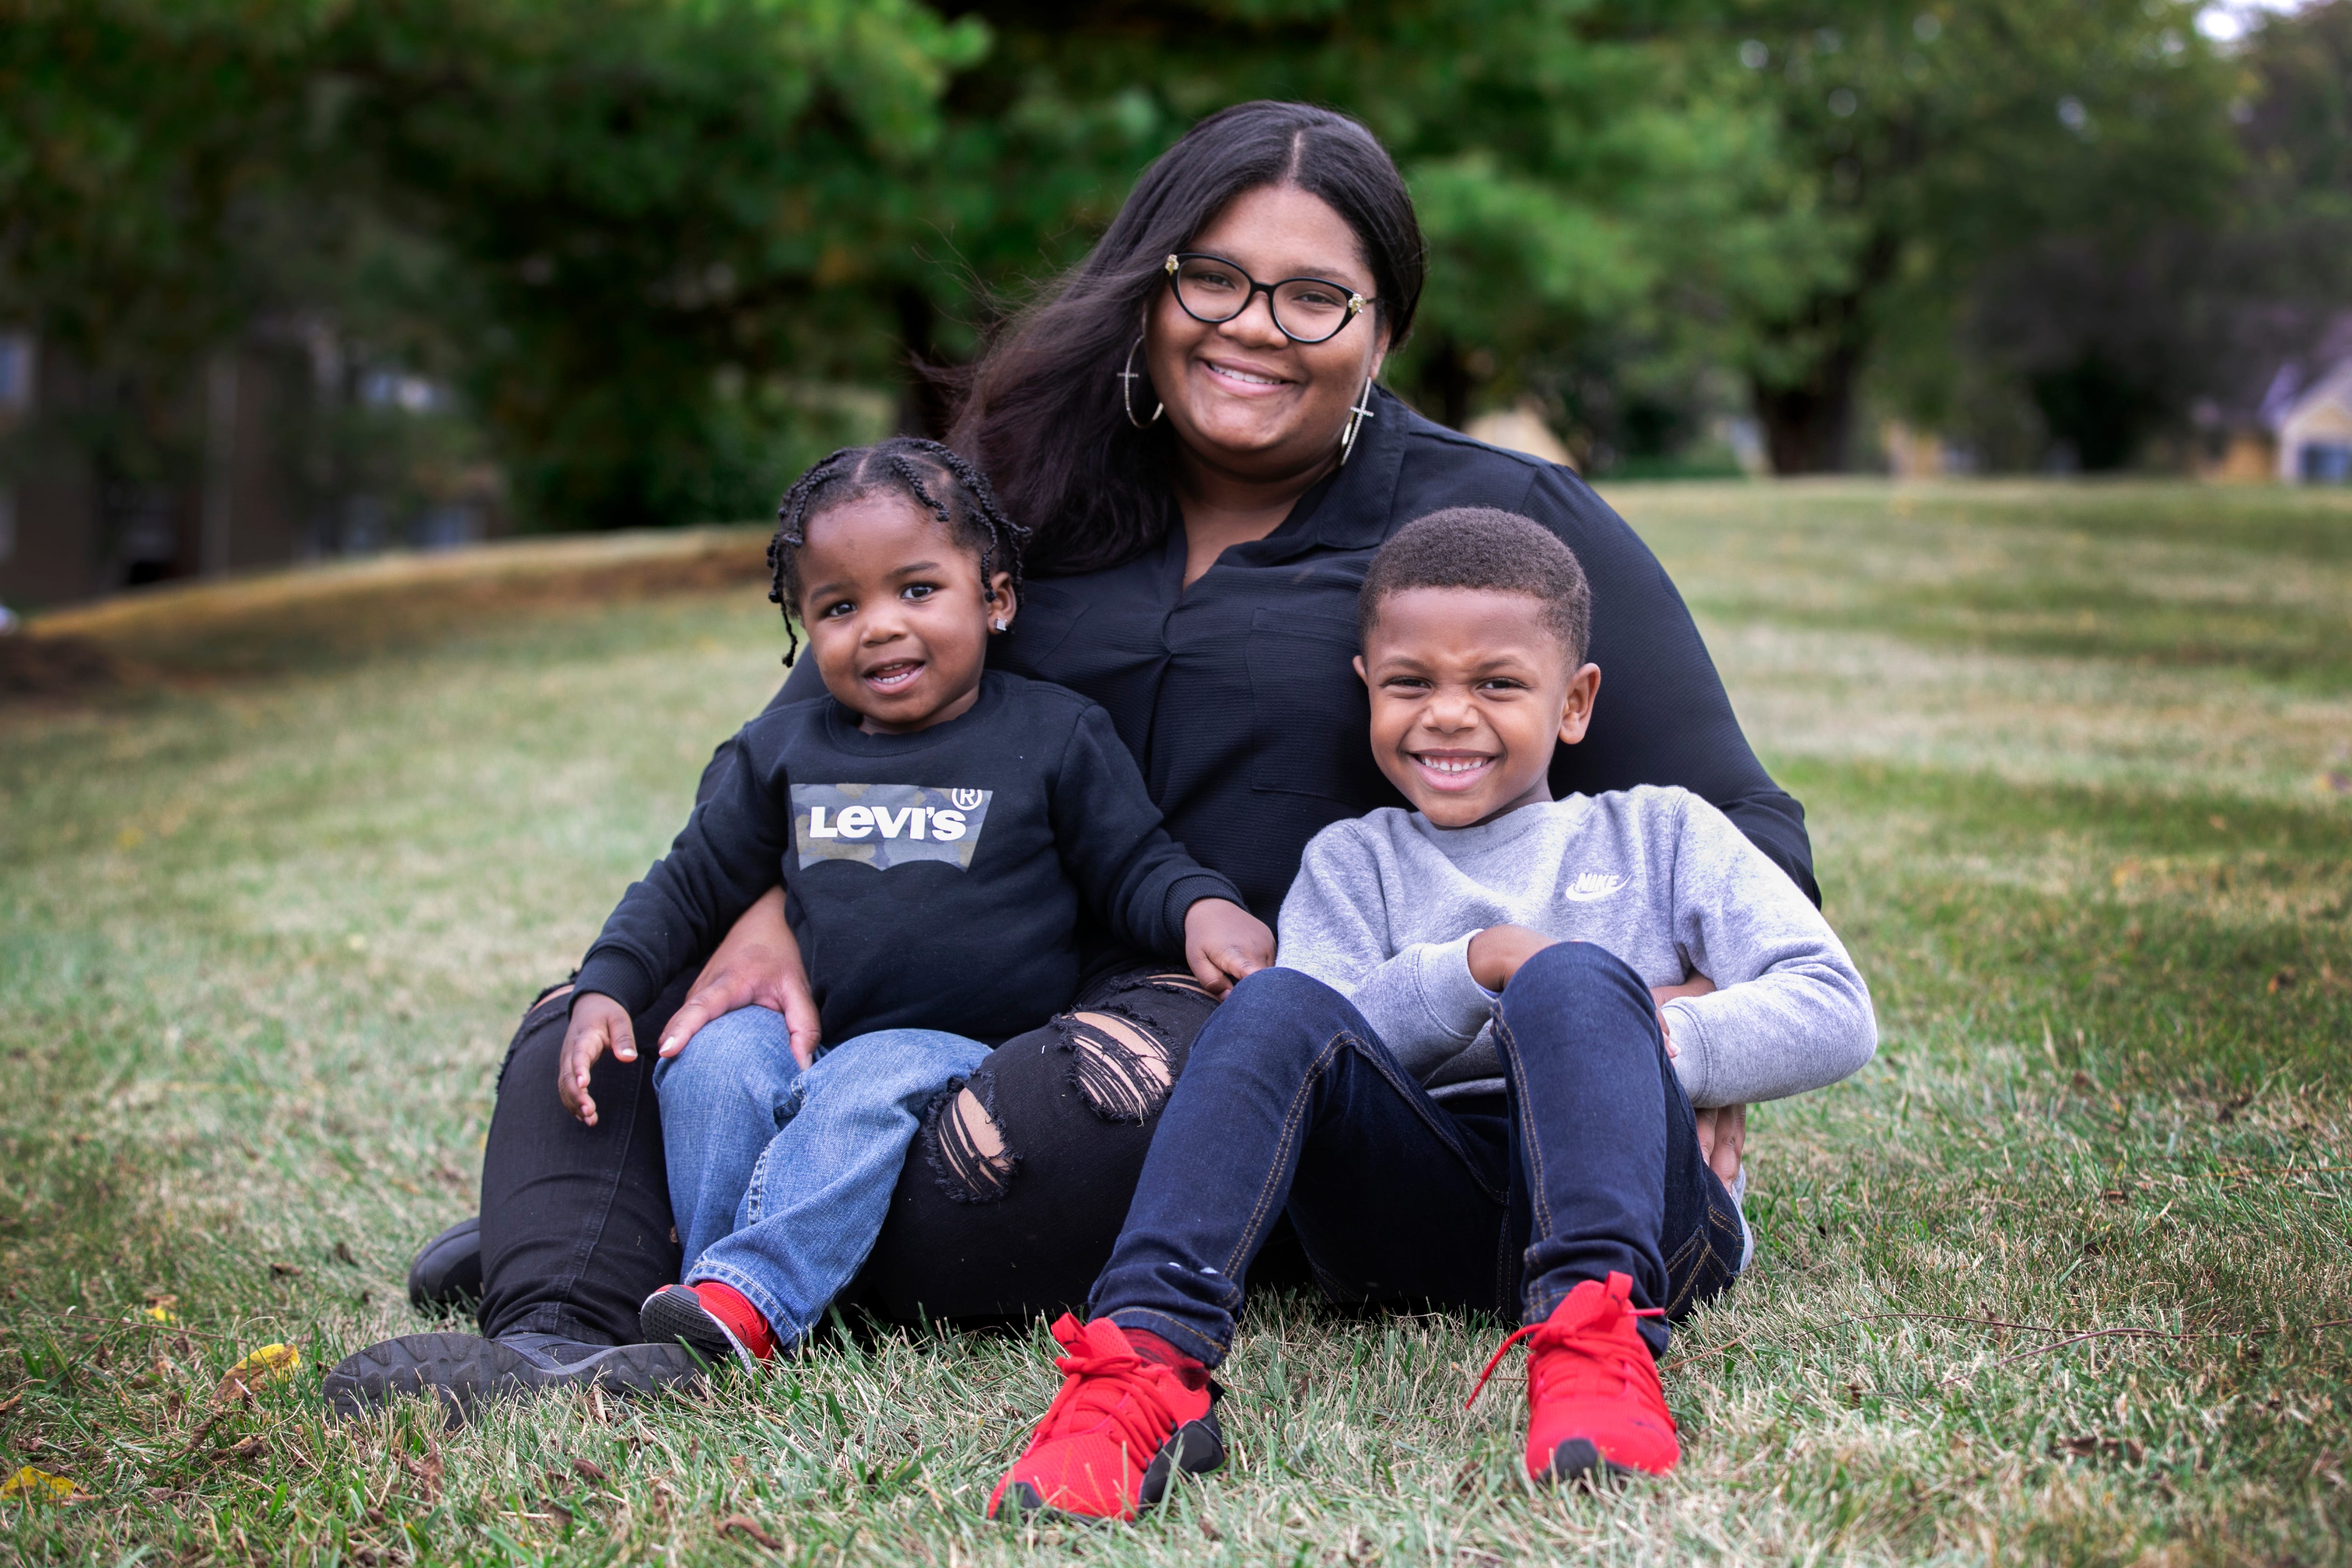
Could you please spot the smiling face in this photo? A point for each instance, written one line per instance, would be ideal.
(1243, 398)
(895, 612)
(1471, 689)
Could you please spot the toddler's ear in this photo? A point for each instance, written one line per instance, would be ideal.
(1362, 674)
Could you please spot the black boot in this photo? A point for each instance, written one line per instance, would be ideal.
(445, 1279)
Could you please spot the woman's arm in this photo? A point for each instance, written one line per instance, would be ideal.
(1663, 717)
(758, 965)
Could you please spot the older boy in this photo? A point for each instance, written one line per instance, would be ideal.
(1459, 1086)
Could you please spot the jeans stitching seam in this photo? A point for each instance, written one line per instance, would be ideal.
(1539, 1201)
(1290, 1120)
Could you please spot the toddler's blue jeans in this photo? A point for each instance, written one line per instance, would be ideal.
(1589, 1164)
(780, 1178)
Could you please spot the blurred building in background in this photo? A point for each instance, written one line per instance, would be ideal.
(297, 457)
(2313, 417)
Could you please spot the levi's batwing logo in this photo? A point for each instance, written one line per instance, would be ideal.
(1591, 885)
(884, 825)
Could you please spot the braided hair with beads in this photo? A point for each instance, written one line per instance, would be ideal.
(940, 480)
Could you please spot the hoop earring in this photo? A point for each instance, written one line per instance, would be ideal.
(1127, 379)
(1356, 418)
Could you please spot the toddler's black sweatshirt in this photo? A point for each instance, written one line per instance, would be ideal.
(934, 881)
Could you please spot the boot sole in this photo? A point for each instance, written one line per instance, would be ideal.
(1021, 1502)
(460, 1370)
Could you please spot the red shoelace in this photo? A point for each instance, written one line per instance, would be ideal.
(1599, 1368)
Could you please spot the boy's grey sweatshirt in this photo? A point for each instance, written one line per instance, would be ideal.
(1385, 906)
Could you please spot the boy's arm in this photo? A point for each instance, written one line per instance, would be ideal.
(1420, 1000)
(1109, 832)
(727, 856)
(1790, 1012)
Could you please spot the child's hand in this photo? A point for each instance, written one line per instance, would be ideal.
(597, 1021)
(1224, 942)
(1496, 952)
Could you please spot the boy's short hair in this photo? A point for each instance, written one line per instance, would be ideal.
(1488, 549)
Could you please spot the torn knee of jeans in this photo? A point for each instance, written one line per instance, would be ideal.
(1119, 1062)
(965, 1146)
(1179, 985)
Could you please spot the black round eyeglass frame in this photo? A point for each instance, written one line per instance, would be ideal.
(1173, 266)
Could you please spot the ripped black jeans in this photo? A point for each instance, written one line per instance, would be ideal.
(1018, 1186)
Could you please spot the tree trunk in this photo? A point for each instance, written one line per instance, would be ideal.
(1806, 425)
(1807, 418)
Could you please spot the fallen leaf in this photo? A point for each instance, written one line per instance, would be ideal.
(588, 1469)
(11, 1403)
(268, 1364)
(285, 1270)
(343, 1255)
(428, 1471)
(243, 1450)
(744, 1524)
(30, 1482)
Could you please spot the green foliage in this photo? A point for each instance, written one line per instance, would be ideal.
(669, 249)
(1919, 146)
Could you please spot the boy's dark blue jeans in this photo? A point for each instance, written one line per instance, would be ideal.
(1589, 1165)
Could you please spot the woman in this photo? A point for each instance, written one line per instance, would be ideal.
(1191, 422)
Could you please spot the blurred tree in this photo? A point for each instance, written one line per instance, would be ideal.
(1564, 179)
(2297, 131)
(1923, 141)
(647, 236)
(139, 143)
(677, 227)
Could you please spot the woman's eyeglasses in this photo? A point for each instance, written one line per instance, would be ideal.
(1306, 310)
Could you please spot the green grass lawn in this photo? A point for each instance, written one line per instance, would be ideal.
(2062, 1276)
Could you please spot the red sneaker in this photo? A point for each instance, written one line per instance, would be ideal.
(716, 1321)
(1593, 1400)
(1121, 1425)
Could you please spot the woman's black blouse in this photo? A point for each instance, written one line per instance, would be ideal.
(1239, 697)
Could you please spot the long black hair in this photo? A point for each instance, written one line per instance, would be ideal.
(1042, 409)
(941, 482)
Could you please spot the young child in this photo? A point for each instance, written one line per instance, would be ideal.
(938, 830)
(1461, 1085)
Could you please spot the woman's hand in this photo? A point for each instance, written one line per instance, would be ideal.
(1722, 1137)
(1722, 1130)
(758, 965)
(1223, 943)
(597, 1022)
(1696, 985)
